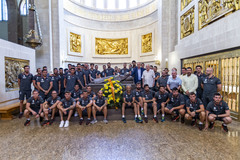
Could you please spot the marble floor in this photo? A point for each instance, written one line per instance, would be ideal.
(117, 141)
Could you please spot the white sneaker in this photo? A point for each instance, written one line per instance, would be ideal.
(75, 114)
(94, 121)
(105, 121)
(61, 124)
(66, 124)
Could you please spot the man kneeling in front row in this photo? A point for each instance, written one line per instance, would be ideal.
(50, 107)
(66, 107)
(99, 105)
(176, 105)
(195, 110)
(34, 105)
(218, 110)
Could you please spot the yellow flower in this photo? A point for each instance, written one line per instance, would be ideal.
(109, 90)
(106, 92)
(111, 77)
(121, 92)
(104, 95)
(118, 81)
(116, 91)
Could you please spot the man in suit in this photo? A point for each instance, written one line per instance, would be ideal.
(137, 73)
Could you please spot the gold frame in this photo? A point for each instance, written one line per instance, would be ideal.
(187, 23)
(227, 69)
(12, 77)
(146, 43)
(109, 46)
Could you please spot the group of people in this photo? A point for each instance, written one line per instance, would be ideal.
(189, 96)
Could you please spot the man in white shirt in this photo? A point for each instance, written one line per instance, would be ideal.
(148, 77)
(189, 83)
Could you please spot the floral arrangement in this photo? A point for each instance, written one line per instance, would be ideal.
(113, 91)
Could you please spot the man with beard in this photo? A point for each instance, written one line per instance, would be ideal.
(210, 85)
(218, 110)
(138, 100)
(25, 80)
(195, 110)
(50, 106)
(149, 101)
(45, 85)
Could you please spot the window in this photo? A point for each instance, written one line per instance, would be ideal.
(100, 4)
(122, 4)
(24, 8)
(132, 3)
(111, 4)
(89, 3)
(143, 2)
(3, 10)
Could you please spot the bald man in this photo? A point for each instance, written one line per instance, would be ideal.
(210, 85)
(129, 101)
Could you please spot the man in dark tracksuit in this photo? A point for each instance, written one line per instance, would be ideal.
(210, 85)
(45, 85)
(200, 76)
(25, 80)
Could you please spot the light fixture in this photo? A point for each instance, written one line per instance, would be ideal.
(34, 37)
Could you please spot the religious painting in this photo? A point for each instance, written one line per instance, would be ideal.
(212, 10)
(105, 46)
(75, 43)
(147, 43)
(13, 67)
(187, 23)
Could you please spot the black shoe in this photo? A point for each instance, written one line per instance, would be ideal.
(46, 122)
(175, 118)
(88, 121)
(41, 119)
(193, 123)
(27, 123)
(155, 119)
(211, 126)
(51, 121)
(201, 127)
(81, 121)
(20, 115)
(182, 119)
(145, 119)
(124, 120)
(225, 128)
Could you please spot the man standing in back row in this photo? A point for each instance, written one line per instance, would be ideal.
(210, 85)
(25, 80)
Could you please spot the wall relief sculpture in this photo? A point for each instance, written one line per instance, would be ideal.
(104, 46)
(212, 10)
(187, 23)
(75, 43)
(185, 3)
(147, 43)
(13, 67)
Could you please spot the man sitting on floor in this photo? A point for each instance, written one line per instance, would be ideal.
(99, 105)
(161, 97)
(195, 110)
(83, 106)
(35, 106)
(149, 101)
(50, 106)
(176, 105)
(218, 110)
(76, 94)
(66, 107)
(128, 101)
(138, 100)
